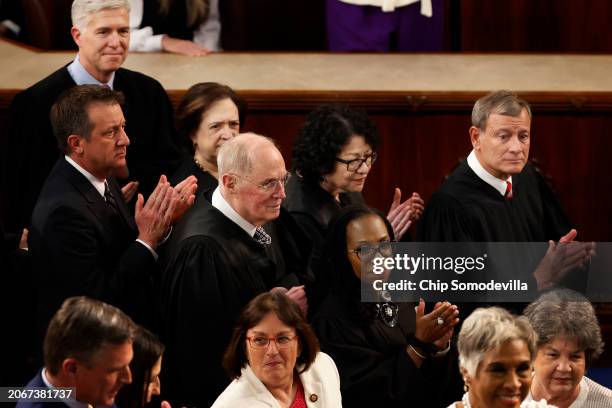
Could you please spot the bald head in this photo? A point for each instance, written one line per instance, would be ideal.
(252, 174)
(238, 155)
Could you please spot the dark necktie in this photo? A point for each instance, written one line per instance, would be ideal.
(508, 193)
(262, 237)
(110, 199)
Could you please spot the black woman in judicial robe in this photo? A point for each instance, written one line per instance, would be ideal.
(372, 343)
(215, 268)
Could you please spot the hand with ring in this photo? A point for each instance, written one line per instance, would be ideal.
(436, 327)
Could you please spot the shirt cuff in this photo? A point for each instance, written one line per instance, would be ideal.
(11, 26)
(163, 241)
(444, 352)
(143, 40)
(149, 248)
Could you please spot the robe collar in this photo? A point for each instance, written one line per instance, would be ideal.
(496, 183)
(219, 202)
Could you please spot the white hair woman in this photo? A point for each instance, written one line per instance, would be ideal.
(569, 339)
(496, 351)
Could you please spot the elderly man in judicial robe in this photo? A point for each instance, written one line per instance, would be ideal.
(228, 248)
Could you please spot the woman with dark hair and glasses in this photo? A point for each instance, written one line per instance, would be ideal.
(209, 115)
(274, 359)
(332, 157)
(387, 354)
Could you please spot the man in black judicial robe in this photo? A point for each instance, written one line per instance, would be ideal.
(31, 149)
(496, 195)
(219, 259)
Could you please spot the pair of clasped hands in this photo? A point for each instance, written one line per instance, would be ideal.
(165, 206)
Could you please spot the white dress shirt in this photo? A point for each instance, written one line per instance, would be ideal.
(498, 184)
(219, 202)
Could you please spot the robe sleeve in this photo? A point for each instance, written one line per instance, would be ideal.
(370, 377)
(445, 220)
(201, 300)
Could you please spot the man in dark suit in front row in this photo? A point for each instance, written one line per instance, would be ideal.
(101, 29)
(88, 347)
(83, 240)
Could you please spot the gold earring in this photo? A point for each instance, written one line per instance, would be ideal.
(466, 386)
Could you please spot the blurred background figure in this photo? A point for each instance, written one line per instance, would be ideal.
(388, 354)
(188, 27)
(208, 115)
(274, 359)
(11, 19)
(385, 25)
(496, 352)
(145, 367)
(569, 340)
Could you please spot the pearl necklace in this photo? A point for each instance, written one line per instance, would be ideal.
(466, 401)
(200, 165)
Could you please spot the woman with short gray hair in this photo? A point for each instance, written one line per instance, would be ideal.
(569, 339)
(496, 351)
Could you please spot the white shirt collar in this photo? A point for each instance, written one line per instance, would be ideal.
(219, 202)
(81, 77)
(97, 183)
(72, 403)
(498, 184)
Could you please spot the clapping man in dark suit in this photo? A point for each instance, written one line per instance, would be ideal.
(84, 241)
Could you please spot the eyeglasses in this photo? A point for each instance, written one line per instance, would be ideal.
(262, 342)
(355, 164)
(368, 252)
(269, 184)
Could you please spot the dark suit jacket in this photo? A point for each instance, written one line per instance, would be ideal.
(38, 382)
(79, 247)
(32, 149)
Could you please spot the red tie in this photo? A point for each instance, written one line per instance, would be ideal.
(508, 193)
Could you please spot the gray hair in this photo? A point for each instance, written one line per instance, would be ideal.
(565, 313)
(485, 330)
(81, 328)
(82, 10)
(502, 102)
(234, 156)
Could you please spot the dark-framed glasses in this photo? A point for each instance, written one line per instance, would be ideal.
(262, 342)
(270, 184)
(369, 251)
(355, 164)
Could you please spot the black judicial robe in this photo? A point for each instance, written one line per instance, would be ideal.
(206, 181)
(214, 269)
(312, 208)
(467, 209)
(375, 369)
(31, 148)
